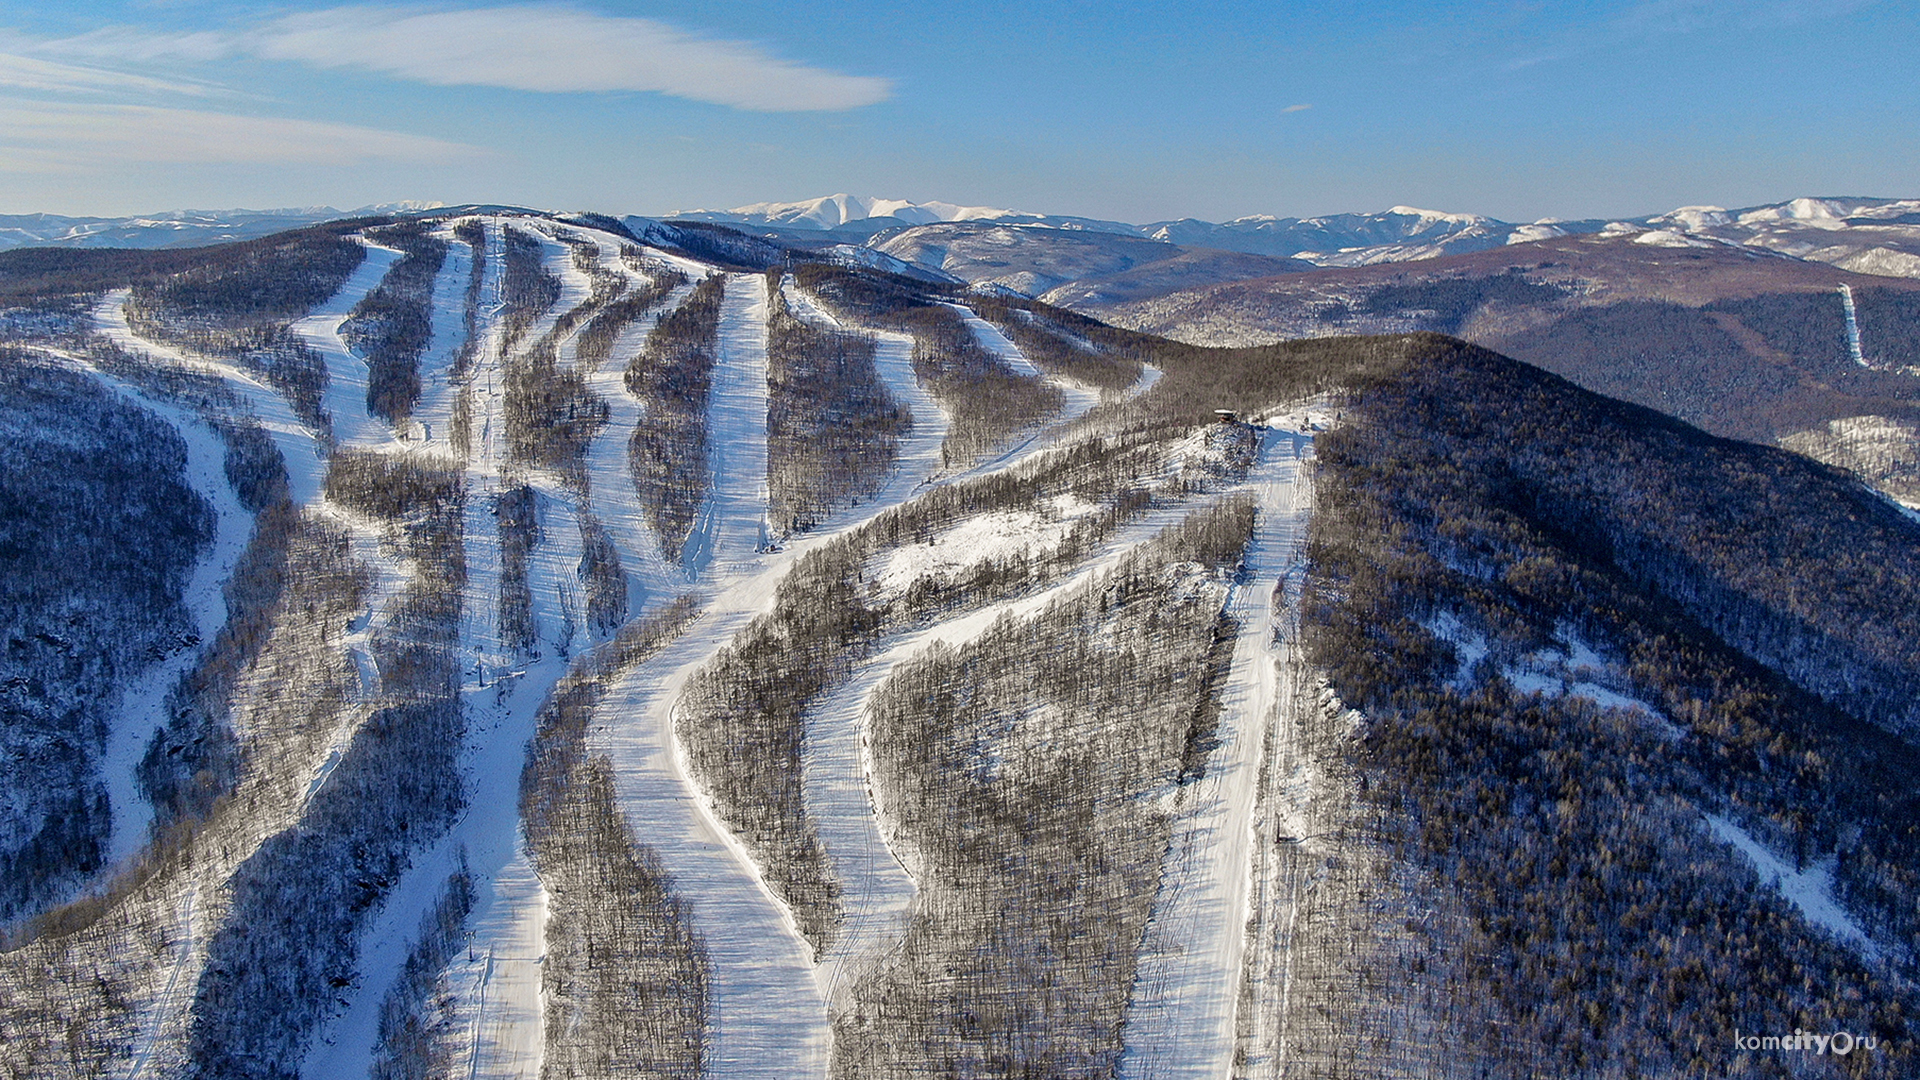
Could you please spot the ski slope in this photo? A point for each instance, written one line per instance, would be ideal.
(1181, 1021)
(345, 400)
(772, 1002)
(142, 708)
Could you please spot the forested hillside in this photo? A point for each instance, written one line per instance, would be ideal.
(497, 643)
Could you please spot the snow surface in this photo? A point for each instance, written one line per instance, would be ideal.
(1183, 1018)
(1883, 262)
(1669, 238)
(1853, 326)
(345, 400)
(142, 708)
(1810, 890)
(733, 526)
(839, 209)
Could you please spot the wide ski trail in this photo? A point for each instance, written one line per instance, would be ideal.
(1181, 1021)
(345, 401)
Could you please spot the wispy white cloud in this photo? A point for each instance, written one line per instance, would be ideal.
(43, 137)
(49, 76)
(543, 48)
(1296, 108)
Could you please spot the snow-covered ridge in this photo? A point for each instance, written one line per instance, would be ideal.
(1805, 227)
(832, 211)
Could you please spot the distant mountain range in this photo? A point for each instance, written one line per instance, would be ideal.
(1880, 236)
(174, 228)
(1866, 235)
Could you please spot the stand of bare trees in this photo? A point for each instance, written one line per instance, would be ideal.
(625, 980)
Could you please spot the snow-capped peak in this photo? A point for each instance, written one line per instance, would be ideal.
(832, 211)
(1692, 218)
(1438, 215)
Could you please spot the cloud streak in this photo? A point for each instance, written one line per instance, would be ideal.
(546, 49)
(47, 137)
(48, 76)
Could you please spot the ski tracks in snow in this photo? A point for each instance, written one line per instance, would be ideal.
(1181, 1022)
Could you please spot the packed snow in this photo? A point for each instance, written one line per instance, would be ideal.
(1184, 1018)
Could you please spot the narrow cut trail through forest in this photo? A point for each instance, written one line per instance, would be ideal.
(142, 708)
(440, 384)
(1181, 1021)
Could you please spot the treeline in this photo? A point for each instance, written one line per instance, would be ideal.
(300, 900)
(527, 289)
(1889, 322)
(391, 325)
(254, 283)
(194, 759)
(517, 511)
(594, 347)
(625, 979)
(1021, 771)
(1756, 368)
(832, 428)
(672, 375)
(1578, 917)
(423, 504)
(99, 533)
(987, 402)
(472, 232)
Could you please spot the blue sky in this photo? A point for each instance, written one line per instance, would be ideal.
(1129, 110)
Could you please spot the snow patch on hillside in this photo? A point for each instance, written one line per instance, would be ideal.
(1810, 890)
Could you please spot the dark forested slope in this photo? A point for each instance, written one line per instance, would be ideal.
(1577, 628)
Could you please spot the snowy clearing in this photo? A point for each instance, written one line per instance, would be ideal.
(1810, 890)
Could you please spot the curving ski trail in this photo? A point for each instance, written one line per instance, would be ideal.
(345, 400)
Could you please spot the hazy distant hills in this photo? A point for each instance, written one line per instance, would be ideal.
(174, 228)
(1876, 236)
